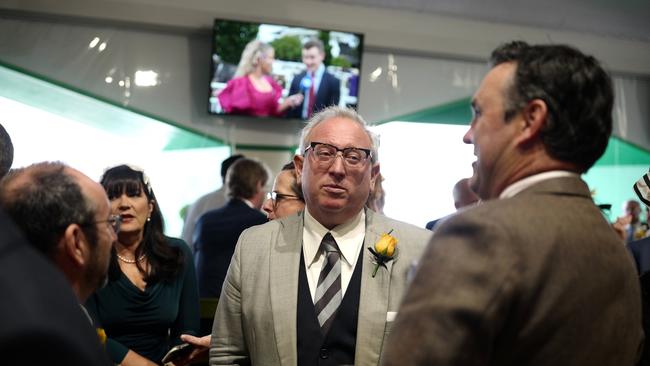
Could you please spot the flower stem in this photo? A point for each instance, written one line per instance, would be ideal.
(374, 272)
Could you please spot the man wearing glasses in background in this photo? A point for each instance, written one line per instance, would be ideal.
(65, 216)
(301, 289)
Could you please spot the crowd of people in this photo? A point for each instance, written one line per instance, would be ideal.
(526, 272)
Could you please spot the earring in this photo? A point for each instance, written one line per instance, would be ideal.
(148, 218)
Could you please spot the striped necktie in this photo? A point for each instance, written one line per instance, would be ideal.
(328, 291)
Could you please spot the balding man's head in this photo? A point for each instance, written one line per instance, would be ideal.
(65, 215)
(6, 152)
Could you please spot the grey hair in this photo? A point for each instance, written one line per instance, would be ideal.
(339, 112)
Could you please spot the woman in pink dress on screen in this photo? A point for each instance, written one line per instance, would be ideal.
(253, 91)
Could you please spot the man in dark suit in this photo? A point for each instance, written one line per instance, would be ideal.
(42, 323)
(207, 202)
(217, 230)
(319, 88)
(534, 275)
(66, 217)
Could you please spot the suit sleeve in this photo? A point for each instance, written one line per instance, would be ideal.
(228, 346)
(458, 297)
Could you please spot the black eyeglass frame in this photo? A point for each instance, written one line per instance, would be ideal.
(276, 196)
(314, 144)
(115, 221)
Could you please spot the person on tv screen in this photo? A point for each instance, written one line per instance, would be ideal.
(253, 91)
(319, 88)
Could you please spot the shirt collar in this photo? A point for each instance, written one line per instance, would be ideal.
(249, 203)
(522, 184)
(319, 72)
(344, 234)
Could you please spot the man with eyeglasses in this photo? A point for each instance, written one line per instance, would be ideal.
(65, 216)
(303, 289)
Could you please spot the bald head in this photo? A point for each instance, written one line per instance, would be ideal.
(6, 152)
(43, 199)
(64, 214)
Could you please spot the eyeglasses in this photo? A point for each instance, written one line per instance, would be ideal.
(275, 197)
(115, 221)
(325, 154)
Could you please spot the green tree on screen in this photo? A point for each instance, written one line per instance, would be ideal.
(325, 38)
(230, 39)
(288, 48)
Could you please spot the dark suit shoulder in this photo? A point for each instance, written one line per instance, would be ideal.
(39, 311)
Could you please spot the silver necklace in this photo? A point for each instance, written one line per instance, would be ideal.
(131, 261)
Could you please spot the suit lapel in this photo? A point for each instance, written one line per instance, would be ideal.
(283, 286)
(373, 300)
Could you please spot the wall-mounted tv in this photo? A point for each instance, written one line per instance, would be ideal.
(282, 71)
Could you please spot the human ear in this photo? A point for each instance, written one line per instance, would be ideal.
(74, 245)
(534, 118)
(298, 160)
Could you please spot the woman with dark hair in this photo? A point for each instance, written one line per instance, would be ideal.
(151, 296)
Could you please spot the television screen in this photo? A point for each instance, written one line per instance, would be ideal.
(282, 71)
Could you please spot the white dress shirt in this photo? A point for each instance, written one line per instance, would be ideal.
(348, 236)
(522, 184)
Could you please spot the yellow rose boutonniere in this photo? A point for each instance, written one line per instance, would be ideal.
(102, 335)
(384, 251)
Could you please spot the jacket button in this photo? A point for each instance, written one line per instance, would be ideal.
(323, 353)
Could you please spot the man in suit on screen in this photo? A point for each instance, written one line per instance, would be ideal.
(303, 289)
(319, 88)
(534, 275)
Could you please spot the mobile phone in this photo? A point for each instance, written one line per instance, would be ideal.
(178, 352)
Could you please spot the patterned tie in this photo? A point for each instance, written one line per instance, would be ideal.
(312, 96)
(328, 292)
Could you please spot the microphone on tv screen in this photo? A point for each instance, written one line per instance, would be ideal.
(305, 84)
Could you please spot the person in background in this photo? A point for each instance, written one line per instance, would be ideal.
(253, 91)
(534, 275)
(151, 296)
(207, 202)
(377, 196)
(217, 231)
(65, 217)
(305, 289)
(6, 152)
(634, 228)
(319, 88)
(286, 197)
(640, 248)
(463, 197)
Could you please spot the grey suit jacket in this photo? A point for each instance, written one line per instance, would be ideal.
(255, 320)
(536, 279)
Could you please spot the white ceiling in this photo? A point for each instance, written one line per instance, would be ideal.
(623, 19)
